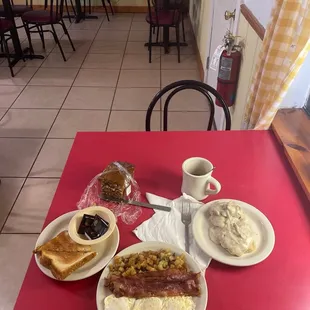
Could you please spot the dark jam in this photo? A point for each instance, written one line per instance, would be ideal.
(87, 221)
(96, 227)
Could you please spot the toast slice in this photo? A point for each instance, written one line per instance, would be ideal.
(62, 264)
(63, 243)
(62, 256)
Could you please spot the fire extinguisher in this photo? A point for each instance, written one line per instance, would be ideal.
(229, 68)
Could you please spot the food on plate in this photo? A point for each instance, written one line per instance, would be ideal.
(93, 226)
(111, 302)
(230, 228)
(62, 256)
(165, 283)
(114, 183)
(132, 264)
(152, 274)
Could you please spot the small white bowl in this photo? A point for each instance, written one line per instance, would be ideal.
(75, 222)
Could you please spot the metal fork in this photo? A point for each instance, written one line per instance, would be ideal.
(186, 218)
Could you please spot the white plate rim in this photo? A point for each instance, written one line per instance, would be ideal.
(242, 261)
(83, 275)
(154, 245)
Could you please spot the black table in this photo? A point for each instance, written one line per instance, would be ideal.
(166, 34)
(79, 13)
(19, 53)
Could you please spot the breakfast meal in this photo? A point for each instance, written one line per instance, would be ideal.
(114, 183)
(93, 226)
(62, 256)
(229, 228)
(151, 279)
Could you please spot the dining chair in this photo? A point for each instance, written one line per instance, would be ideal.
(51, 15)
(175, 88)
(18, 9)
(182, 8)
(158, 17)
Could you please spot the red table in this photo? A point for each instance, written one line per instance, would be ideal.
(250, 166)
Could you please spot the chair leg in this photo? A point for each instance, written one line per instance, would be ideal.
(150, 44)
(111, 7)
(73, 8)
(89, 6)
(183, 28)
(41, 34)
(7, 52)
(58, 42)
(67, 33)
(26, 26)
(106, 10)
(67, 9)
(177, 32)
(157, 35)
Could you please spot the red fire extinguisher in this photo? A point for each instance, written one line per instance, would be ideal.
(229, 68)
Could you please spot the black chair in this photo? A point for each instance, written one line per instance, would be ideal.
(52, 15)
(18, 9)
(158, 17)
(176, 87)
(104, 6)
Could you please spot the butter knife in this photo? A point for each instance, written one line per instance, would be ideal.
(139, 204)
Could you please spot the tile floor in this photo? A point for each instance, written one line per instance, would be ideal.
(106, 85)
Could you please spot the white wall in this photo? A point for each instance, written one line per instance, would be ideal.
(261, 9)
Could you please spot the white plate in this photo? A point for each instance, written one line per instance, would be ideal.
(264, 236)
(105, 250)
(201, 302)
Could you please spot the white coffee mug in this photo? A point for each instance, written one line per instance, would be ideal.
(197, 178)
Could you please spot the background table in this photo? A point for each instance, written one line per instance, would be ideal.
(250, 166)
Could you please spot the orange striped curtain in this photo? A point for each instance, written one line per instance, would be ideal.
(285, 47)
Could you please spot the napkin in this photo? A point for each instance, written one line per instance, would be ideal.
(167, 227)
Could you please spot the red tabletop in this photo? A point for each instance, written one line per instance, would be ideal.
(251, 167)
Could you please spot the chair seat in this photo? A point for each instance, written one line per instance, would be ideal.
(5, 25)
(40, 17)
(18, 10)
(165, 18)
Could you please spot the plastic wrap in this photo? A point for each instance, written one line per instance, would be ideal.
(92, 195)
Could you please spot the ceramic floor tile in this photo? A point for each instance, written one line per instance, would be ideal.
(38, 48)
(42, 97)
(28, 123)
(55, 60)
(116, 24)
(31, 206)
(89, 98)
(9, 190)
(83, 35)
(18, 155)
(170, 62)
(139, 78)
(107, 47)
(188, 121)
(54, 77)
(2, 112)
(97, 77)
(8, 94)
(81, 46)
(187, 100)
(139, 17)
(170, 76)
(112, 35)
(139, 48)
(190, 49)
(134, 61)
(140, 36)
(69, 122)
(52, 158)
(15, 253)
(103, 61)
(86, 25)
(36, 63)
(140, 26)
(22, 76)
(134, 98)
(132, 121)
(120, 17)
